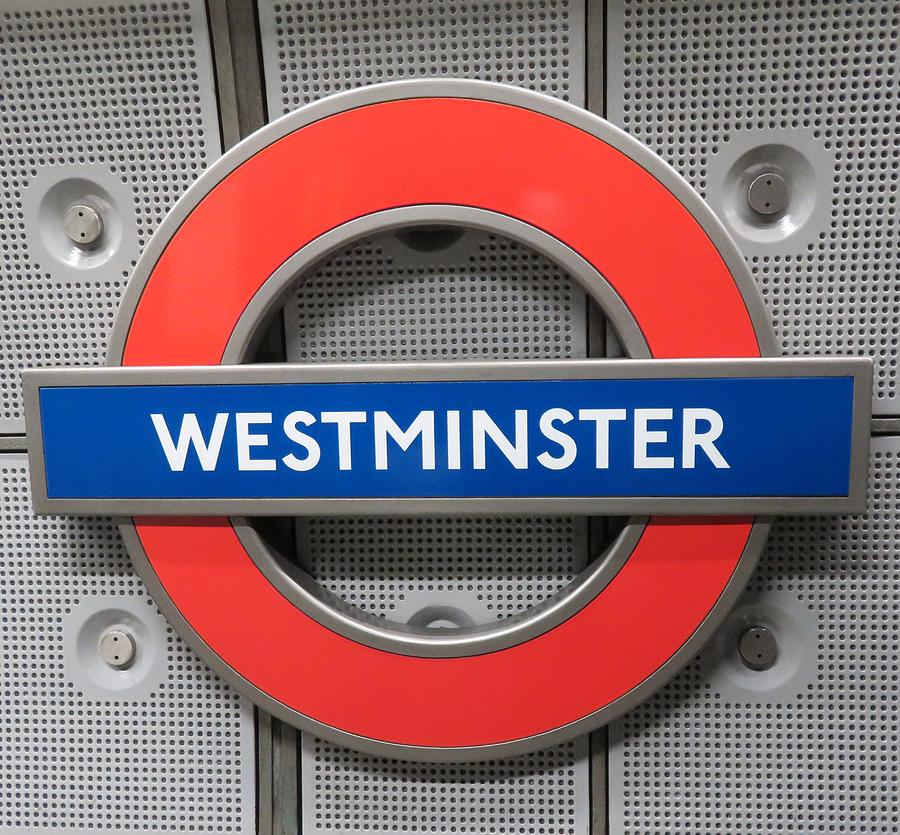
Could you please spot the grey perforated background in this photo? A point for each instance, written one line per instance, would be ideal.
(491, 567)
(171, 753)
(779, 752)
(313, 48)
(481, 297)
(347, 792)
(112, 105)
(109, 101)
(694, 80)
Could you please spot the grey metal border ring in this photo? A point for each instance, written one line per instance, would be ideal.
(301, 589)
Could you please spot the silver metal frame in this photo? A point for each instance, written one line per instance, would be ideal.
(859, 369)
(582, 120)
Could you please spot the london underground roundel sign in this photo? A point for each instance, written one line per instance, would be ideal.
(697, 425)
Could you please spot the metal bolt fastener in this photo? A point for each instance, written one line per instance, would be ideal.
(117, 648)
(758, 648)
(83, 225)
(768, 194)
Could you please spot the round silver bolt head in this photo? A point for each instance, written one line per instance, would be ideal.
(117, 648)
(83, 225)
(758, 648)
(768, 194)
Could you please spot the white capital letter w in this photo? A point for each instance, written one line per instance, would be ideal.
(190, 435)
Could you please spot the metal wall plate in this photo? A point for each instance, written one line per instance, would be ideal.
(111, 106)
(808, 744)
(724, 92)
(343, 791)
(159, 748)
(313, 50)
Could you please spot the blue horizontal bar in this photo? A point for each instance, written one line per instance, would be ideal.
(578, 438)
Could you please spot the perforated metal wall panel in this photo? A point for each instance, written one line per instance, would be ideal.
(347, 792)
(312, 49)
(810, 746)
(477, 296)
(810, 89)
(488, 568)
(107, 104)
(162, 747)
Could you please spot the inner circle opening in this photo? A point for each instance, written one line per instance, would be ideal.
(425, 291)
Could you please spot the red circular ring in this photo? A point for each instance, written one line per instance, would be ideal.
(541, 171)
